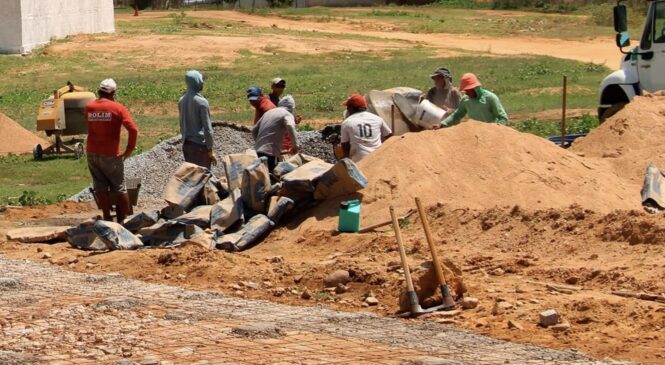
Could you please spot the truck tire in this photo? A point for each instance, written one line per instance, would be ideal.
(609, 112)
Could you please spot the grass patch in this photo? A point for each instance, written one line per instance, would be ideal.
(581, 125)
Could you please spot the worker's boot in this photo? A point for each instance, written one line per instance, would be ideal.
(104, 200)
(123, 207)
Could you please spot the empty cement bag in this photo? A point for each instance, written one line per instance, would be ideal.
(283, 168)
(213, 191)
(343, 178)
(185, 185)
(250, 234)
(306, 176)
(199, 216)
(171, 211)
(653, 200)
(300, 159)
(278, 207)
(168, 233)
(83, 237)
(141, 220)
(115, 236)
(255, 185)
(234, 166)
(227, 212)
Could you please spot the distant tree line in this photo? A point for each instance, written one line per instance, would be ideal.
(164, 4)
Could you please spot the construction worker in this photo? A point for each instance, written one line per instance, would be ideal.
(478, 103)
(260, 102)
(195, 123)
(444, 94)
(105, 160)
(269, 132)
(277, 85)
(362, 131)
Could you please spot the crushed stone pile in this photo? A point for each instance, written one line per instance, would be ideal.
(156, 166)
(16, 139)
(478, 165)
(630, 139)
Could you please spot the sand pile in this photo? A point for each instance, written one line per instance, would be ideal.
(477, 165)
(630, 139)
(16, 139)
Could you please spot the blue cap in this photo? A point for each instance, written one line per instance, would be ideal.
(253, 93)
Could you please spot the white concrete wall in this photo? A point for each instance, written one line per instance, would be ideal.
(10, 26)
(42, 20)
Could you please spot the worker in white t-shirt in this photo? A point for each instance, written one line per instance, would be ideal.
(362, 131)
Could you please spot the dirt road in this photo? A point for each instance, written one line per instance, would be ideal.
(600, 50)
(54, 316)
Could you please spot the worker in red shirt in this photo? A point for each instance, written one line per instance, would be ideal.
(259, 101)
(105, 160)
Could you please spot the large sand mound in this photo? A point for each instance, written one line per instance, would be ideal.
(16, 139)
(630, 139)
(478, 165)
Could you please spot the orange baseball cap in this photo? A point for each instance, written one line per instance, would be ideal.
(469, 81)
(356, 100)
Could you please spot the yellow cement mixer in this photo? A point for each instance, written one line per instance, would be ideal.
(63, 115)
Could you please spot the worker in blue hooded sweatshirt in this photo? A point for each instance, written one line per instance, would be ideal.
(195, 123)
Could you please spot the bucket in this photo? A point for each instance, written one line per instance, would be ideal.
(349, 216)
(133, 187)
(428, 115)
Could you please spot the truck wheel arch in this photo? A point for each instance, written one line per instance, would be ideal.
(612, 100)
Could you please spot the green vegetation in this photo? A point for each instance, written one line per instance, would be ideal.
(542, 128)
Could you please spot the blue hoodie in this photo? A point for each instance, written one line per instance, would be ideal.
(195, 122)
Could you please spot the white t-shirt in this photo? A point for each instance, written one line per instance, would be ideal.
(364, 130)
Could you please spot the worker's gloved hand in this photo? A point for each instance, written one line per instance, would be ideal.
(438, 126)
(213, 159)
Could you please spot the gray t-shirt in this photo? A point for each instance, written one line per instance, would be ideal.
(269, 131)
(448, 97)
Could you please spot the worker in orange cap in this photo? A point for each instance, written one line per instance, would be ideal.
(362, 131)
(477, 103)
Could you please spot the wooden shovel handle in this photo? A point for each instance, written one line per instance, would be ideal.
(430, 242)
(402, 253)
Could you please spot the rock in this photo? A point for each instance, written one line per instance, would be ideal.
(497, 272)
(548, 318)
(278, 292)
(89, 265)
(429, 360)
(305, 294)
(560, 327)
(449, 321)
(258, 330)
(150, 360)
(444, 314)
(573, 280)
(337, 277)
(46, 256)
(341, 289)
(182, 276)
(469, 303)
(276, 259)
(297, 279)
(38, 234)
(501, 308)
(371, 300)
(73, 260)
(9, 283)
(251, 285)
(235, 287)
(515, 325)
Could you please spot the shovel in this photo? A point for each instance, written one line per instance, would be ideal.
(448, 301)
(415, 308)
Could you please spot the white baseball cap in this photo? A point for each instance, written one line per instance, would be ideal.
(108, 86)
(278, 80)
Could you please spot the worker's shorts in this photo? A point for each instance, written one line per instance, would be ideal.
(196, 154)
(108, 173)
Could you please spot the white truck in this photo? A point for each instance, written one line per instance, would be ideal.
(642, 67)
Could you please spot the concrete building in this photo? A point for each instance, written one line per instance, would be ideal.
(27, 24)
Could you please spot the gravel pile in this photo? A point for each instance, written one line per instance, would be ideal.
(156, 166)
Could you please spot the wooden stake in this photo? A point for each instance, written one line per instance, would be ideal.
(563, 111)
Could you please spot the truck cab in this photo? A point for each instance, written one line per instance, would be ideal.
(642, 67)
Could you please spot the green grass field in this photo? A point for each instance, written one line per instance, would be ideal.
(319, 83)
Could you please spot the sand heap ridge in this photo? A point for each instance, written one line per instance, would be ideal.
(630, 139)
(16, 139)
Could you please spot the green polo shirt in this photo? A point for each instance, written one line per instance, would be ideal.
(486, 107)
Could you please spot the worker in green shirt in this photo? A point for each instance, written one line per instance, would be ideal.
(478, 103)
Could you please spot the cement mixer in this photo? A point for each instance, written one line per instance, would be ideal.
(63, 115)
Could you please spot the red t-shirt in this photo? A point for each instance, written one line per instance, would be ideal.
(264, 105)
(104, 119)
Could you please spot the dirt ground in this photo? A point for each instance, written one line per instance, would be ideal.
(506, 254)
(600, 50)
